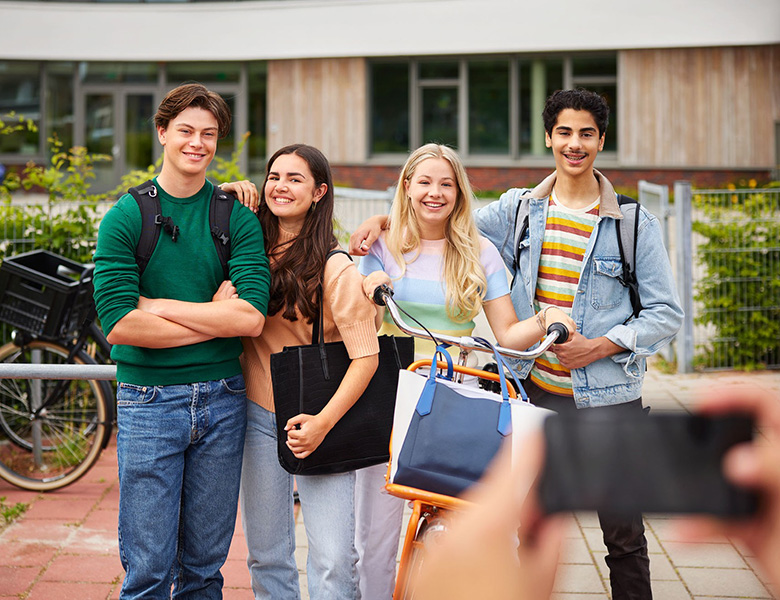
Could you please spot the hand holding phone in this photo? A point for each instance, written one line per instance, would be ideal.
(657, 463)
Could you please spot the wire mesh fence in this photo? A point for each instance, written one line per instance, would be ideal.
(736, 273)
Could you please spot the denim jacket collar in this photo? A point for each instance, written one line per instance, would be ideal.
(608, 207)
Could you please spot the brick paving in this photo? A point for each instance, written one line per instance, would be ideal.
(64, 547)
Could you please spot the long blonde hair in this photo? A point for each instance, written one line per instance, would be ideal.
(465, 284)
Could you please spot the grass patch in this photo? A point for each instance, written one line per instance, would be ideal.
(10, 512)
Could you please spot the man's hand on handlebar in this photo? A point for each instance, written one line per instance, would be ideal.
(556, 315)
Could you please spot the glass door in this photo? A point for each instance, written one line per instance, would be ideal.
(118, 124)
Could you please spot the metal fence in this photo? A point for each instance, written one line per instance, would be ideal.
(736, 278)
(724, 247)
(726, 257)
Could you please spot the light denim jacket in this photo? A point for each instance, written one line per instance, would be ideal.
(601, 305)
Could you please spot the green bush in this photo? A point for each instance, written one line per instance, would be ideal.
(740, 295)
(67, 223)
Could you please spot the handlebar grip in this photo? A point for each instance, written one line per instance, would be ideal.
(561, 330)
(380, 292)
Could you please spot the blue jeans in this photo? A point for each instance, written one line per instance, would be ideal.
(179, 449)
(328, 507)
(624, 535)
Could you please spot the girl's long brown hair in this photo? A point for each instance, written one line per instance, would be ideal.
(298, 266)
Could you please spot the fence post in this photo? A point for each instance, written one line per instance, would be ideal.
(655, 198)
(682, 206)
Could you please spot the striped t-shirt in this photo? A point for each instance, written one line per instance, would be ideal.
(566, 236)
(420, 291)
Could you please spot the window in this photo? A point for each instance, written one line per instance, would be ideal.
(212, 72)
(489, 107)
(389, 108)
(115, 72)
(438, 88)
(598, 74)
(538, 79)
(481, 106)
(59, 101)
(20, 93)
(257, 144)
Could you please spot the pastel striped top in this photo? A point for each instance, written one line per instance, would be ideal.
(420, 291)
(566, 236)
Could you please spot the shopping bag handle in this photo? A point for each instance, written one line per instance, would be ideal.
(502, 362)
(425, 402)
(441, 350)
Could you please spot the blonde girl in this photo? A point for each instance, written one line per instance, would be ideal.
(443, 273)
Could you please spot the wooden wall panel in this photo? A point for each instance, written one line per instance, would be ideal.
(699, 107)
(321, 102)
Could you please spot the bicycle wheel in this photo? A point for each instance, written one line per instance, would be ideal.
(59, 444)
(429, 528)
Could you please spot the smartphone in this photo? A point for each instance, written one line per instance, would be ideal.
(649, 463)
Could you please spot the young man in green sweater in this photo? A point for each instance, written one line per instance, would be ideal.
(181, 405)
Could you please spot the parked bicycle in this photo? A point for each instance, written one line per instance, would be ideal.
(51, 430)
(431, 511)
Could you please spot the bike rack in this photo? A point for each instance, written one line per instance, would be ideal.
(86, 372)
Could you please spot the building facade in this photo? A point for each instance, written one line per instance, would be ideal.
(694, 87)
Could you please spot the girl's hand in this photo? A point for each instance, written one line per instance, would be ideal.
(226, 291)
(305, 433)
(245, 191)
(556, 315)
(373, 281)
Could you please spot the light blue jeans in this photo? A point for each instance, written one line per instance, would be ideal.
(179, 450)
(328, 507)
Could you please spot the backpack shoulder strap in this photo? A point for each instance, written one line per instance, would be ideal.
(627, 230)
(220, 209)
(149, 204)
(521, 226)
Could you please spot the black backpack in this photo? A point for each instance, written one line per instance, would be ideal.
(626, 231)
(152, 221)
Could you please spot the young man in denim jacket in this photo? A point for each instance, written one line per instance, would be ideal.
(569, 258)
(181, 397)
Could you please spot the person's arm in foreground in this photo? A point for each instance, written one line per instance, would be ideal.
(755, 465)
(479, 556)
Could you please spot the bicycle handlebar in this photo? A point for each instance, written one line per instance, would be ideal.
(557, 333)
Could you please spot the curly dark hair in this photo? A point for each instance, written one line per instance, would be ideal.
(296, 272)
(577, 99)
(197, 95)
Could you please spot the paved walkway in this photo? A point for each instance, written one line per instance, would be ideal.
(64, 547)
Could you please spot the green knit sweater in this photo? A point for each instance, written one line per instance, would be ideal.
(188, 270)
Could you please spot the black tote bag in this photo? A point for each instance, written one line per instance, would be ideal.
(305, 378)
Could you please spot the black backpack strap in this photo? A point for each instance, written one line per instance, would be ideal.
(521, 226)
(627, 230)
(151, 219)
(220, 210)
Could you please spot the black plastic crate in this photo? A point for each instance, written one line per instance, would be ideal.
(44, 293)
